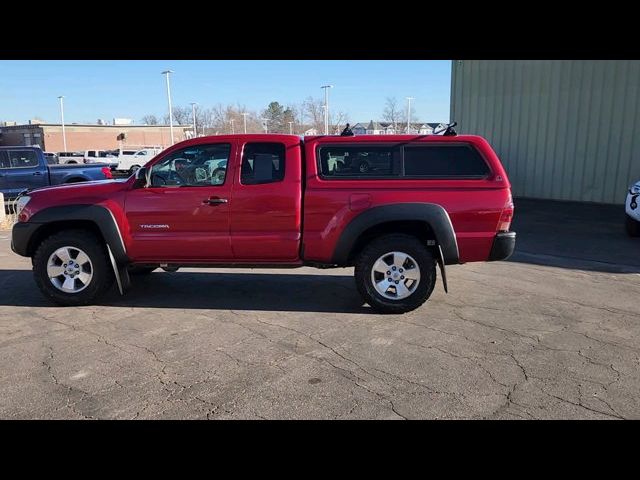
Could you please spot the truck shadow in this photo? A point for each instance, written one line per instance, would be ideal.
(211, 290)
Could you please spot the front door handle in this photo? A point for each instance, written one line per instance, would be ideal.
(215, 201)
(37, 173)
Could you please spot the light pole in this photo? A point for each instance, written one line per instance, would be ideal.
(326, 108)
(193, 112)
(244, 118)
(64, 135)
(324, 114)
(409, 112)
(232, 130)
(290, 128)
(166, 73)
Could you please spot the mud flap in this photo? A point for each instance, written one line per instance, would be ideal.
(121, 272)
(443, 273)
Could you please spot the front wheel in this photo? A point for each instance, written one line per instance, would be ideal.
(395, 273)
(134, 169)
(71, 267)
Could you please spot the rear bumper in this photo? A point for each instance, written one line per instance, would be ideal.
(504, 244)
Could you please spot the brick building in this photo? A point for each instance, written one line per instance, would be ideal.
(88, 137)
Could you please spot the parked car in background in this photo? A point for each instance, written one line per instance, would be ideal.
(132, 160)
(632, 210)
(26, 168)
(107, 157)
(438, 200)
(70, 158)
(52, 158)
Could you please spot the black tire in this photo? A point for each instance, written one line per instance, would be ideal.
(389, 243)
(134, 270)
(134, 169)
(102, 272)
(633, 227)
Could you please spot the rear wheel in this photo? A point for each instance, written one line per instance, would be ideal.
(395, 273)
(71, 268)
(633, 227)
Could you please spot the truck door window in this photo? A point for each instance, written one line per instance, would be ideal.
(91, 153)
(262, 163)
(22, 158)
(197, 166)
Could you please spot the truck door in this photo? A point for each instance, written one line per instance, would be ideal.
(266, 202)
(184, 214)
(20, 169)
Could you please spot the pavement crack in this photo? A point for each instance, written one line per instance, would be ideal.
(393, 409)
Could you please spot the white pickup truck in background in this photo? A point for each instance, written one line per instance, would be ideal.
(130, 160)
(70, 158)
(101, 156)
(106, 157)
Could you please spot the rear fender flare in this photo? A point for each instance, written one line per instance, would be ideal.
(434, 215)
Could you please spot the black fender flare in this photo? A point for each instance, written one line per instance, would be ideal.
(97, 214)
(433, 214)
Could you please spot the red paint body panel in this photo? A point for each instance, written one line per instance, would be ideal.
(266, 218)
(474, 206)
(268, 223)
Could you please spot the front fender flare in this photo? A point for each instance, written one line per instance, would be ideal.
(101, 216)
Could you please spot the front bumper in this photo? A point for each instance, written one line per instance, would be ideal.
(21, 234)
(504, 243)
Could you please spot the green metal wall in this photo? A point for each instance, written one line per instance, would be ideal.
(564, 129)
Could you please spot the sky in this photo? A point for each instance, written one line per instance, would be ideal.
(133, 88)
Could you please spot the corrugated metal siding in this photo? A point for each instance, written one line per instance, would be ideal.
(564, 129)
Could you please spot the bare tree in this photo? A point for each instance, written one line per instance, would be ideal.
(313, 113)
(337, 122)
(150, 120)
(392, 112)
(181, 116)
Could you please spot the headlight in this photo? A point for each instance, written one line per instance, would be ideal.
(21, 202)
(635, 188)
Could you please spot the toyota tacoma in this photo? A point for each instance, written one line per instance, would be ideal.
(423, 203)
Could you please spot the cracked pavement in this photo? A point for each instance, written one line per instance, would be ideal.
(552, 333)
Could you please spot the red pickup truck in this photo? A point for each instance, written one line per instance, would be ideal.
(395, 207)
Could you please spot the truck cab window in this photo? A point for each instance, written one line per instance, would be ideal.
(262, 163)
(22, 158)
(197, 166)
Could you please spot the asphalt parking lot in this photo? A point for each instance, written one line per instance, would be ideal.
(552, 333)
